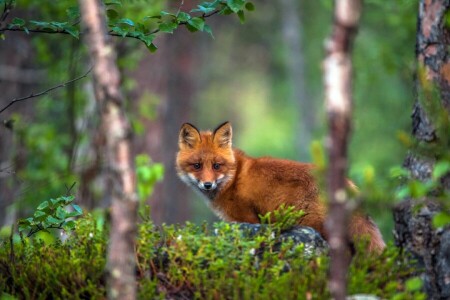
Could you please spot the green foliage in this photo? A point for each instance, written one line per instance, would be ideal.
(51, 214)
(418, 189)
(147, 175)
(193, 262)
(282, 218)
(144, 29)
(72, 269)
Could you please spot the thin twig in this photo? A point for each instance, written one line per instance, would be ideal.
(6, 9)
(32, 95)
(70, 188)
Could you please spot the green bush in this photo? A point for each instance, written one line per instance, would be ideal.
(190, 261)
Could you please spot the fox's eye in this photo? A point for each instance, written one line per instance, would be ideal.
(216, 166)
(197, 166)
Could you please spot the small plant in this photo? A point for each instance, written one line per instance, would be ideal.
(51, 214)
(284, 218)
(148, 174)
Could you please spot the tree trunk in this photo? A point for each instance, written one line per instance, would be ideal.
(18, 77)
(293, 38)
(116, 133)
(180, 56)
(338, 93)
(414, 231)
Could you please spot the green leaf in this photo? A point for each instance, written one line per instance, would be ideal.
(249, 6)
(441, 219)
(24, 227)
(168, 27)
(197, 23)
(191, 28)
(236, 5)
(26, 221)
(148, 39)
(39, 214)
(413, 284)
(43, 25)
(151, 17)
(152, 48)
(126, 21)
(66, 199)
(61, 213)
(43, 205)
(58, 25)
(226, 11)
(73, 31)
(417, 189)
(53, 221)
(241, 16)
(396, 172)
(203, 9)
(18, 22)
(165, 13)
(69, 225)
(112, 14)
(402, 192)
(77, 209)
(440, 169)
(118, 30)
(183, 17)
(208, 30)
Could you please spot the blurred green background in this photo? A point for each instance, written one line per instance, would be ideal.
(264, 76)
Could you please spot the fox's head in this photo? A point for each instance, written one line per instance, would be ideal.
(205, 160)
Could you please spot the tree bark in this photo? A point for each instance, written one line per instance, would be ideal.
(433, 73)
(180, 56)
(338, 94)
(116, 133)
(414, 231)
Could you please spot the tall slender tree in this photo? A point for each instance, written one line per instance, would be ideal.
(116, 133)
(338, 94)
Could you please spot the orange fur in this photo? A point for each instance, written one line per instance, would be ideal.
(239, 187)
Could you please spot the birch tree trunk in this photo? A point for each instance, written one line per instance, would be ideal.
(338, 101)
(116, 133)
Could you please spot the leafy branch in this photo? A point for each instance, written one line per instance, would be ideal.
(51, 214)
(33, 95)
(144, 30)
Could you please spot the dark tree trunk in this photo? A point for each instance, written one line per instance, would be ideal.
(338, 93)
(180, 56)
(18, 77)
(414, 231)
(116, 133)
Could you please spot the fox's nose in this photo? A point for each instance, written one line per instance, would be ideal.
(207, 185)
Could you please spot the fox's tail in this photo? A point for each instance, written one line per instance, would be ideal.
(362, 227)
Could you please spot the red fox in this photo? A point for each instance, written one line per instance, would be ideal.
(239, 188)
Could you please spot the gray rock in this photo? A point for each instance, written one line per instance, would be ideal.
(312, 241)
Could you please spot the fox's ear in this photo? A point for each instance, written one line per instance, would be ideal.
(223, 134)
(189, 136)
